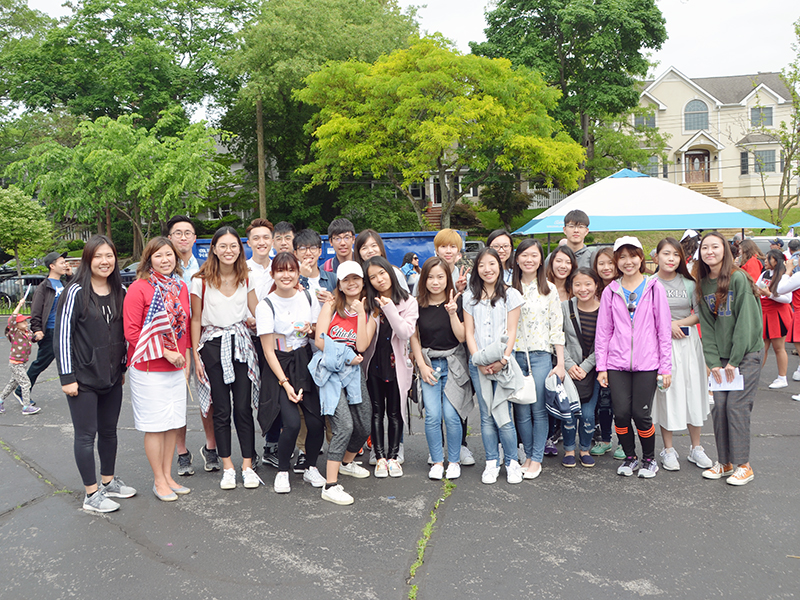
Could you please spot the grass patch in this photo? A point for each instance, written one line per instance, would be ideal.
(427, 531)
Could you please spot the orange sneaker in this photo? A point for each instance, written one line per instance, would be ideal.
(718, 471)
(742, 475)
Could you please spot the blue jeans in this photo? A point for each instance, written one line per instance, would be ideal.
(491, 434)
(531, 419)
(437, 406)
(586, 418)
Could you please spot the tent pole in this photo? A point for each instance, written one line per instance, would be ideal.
(548, 243)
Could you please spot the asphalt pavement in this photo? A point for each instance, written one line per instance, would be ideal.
(571, 533)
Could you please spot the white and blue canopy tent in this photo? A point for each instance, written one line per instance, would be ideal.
(631, 201)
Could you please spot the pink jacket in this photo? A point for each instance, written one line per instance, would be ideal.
(403, 318)
(641, 344)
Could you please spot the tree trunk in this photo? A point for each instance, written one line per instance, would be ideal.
(262, 178)
(100, 224)
(19, 270)
(138, 235)
(108, 222)
(588, 143)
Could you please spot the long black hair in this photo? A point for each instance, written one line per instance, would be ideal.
(398, 293)
(541, 276)
(476, 283)
(777, 271)
(497, 233)
(83, 277)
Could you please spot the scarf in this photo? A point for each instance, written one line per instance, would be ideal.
(170, 290)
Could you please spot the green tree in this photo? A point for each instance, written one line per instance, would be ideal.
(145, 175)
(594, 52)
(504, 196)
(23, 224)
(428, 110)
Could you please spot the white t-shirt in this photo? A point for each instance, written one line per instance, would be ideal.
(288, 311)
(220, 310)
(261, 278)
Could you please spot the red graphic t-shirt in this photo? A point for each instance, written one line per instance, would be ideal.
(344, 329)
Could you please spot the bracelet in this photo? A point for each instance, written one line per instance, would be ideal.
(282, 381)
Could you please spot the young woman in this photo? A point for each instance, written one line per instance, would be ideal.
(777, 313)
(285, 319)
(89, 344)
(369, 244)
(730, 317)
(580, 324)
(410, 269)
(685, 404)
(561, 264)
(158, 380)
(633, 348)
(491, 312)
(502, 243)
(442, 361)
(345, 321)
(223, 302)
(751, 259)
(605, 267)
(386, 361)
(540, 339)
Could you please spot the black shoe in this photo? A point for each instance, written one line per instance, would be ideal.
(210, 459)
(302, 464)
(270, 457)
(185, 464)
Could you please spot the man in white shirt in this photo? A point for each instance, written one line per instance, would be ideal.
(259, 238)
(181, 233)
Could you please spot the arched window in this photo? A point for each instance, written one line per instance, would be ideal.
(695, 116)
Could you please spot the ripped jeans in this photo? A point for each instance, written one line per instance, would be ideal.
(586, 419)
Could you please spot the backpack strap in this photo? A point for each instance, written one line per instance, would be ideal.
(586, 351)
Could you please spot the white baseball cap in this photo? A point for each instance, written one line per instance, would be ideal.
(349, 267)
(627, 240)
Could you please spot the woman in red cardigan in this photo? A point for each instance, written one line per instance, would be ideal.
(157, 367)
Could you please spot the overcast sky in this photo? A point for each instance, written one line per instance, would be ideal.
(707, 38)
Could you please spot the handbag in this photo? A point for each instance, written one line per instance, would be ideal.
(561, 397)
(584, 386)
(527, 393)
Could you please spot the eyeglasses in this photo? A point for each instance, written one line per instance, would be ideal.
(341, 238)
(501, 246)
(182, 234)
(575, 226)
(305, 249)
(631, 300)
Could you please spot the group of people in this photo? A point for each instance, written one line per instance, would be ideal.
(332, 350)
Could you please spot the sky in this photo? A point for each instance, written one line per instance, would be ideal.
(707, 38)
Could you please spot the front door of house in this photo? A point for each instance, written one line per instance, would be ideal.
(697, 170)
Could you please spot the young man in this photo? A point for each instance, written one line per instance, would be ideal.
(181, 233)
(283, 236)
(259, 238)
(341, 235)
(576, 228)
(307, 250)
(43, 316)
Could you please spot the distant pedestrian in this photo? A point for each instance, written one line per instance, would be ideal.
(751, 259)
(777, 314)
(19, 334)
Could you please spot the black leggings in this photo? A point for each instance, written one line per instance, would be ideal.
(221, 392)
(291, 428)
(632, 398)
(385, 398)
(95, 415)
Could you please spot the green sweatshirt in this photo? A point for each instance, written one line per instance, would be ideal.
(737, 329)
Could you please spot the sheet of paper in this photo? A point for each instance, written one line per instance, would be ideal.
(736, 385)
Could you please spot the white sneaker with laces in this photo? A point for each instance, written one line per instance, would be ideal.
(228, 479)
(466, 458)
(669, 459)
(337, 495)
(382, 469)
(251, 479)
(490, 472)
(796, 375)
(282, 485)
(395, 470)
(698, 456)
(453, 471)
(513, 472)
(313, 476)
(779, 383)
(796, 397)
(353, 470)
(436, 472)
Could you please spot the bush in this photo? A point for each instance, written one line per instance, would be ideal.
(464, 217)
(75, 245)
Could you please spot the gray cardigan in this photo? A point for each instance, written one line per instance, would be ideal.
(572, 345)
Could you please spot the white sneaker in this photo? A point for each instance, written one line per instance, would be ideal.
(228, 479)
(669, 459)
(779, 383)
(98, 502)
(513, 472)
(466, 458)
(453, 471)
(490, 473)
(401, 455)
(337, 495)
(796, 397)
(698, 456)
(282, 485)
(312, 475)
(251, 479)
(436, 472)
(796, 375)
(372, 459)
(354, 470)
(395, 470)
(382, 469)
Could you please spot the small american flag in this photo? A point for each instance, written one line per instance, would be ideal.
(150, 346)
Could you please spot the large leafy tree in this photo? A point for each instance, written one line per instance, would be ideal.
(23, 224)
(428, 110)
(287, 41)
(594, 52)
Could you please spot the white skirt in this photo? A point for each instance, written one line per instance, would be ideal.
(686, 400)
(158, 398)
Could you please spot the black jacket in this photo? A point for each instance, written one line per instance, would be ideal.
(88, 349)
(41, 305)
